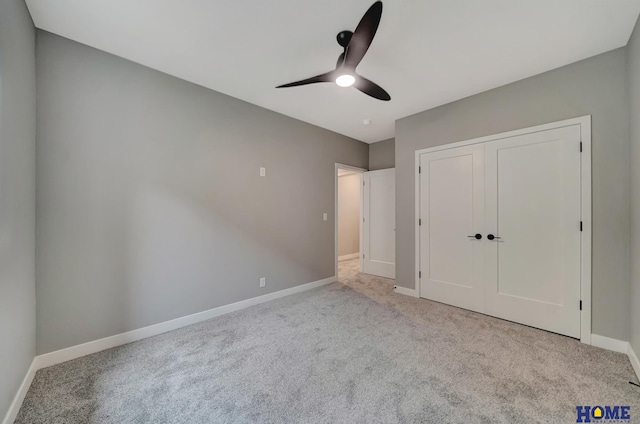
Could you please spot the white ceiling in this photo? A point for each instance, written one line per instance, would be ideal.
(426, 53)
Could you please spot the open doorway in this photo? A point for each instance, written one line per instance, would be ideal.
(348, 220)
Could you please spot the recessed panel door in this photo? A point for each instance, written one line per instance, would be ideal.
(532, 195)
(451, 229)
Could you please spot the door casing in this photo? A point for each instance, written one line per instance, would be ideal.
(360, 171)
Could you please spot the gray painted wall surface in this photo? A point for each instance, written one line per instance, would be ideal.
(633, 73)
(382, 155)
(17, 196)
(150, 204)
(597, 87)
(348, 214)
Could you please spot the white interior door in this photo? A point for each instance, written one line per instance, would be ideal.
(451, 196)
(522, 195)
(532, 200)
(379, 214)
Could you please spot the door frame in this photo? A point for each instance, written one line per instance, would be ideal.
(585, 207)
(335, 211)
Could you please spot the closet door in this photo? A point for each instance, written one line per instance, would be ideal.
(532, 200)
(451, 205)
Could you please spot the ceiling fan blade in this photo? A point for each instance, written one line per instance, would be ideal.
(363, 35)
(328, 77)
(372, 89)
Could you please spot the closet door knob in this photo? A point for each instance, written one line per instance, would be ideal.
(477, 236)
(492, 237)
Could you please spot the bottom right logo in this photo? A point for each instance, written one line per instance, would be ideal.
(611, 414)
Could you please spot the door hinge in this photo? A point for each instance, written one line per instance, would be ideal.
(419, 170)
(362, 219)
(581, 305)
(363, 256)
(420, 221)
(363, 183)
(419, 274)
(580, 225)
(581, 147)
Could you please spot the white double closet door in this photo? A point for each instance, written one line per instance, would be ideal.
(521, 195)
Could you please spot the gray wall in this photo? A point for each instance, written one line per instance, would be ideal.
(348, 214)
(382, 155)
(597, 87)
(17, 196)
(150, 204)
(633, 73)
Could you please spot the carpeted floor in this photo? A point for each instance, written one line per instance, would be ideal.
(349, 352)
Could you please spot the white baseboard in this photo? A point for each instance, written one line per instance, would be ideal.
(609, 344)
(349, 256)
(73, 352)
(635, 363)
(14, 408)
(405, 291)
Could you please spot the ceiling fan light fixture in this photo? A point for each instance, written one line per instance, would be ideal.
(345, 80)
(355, 45)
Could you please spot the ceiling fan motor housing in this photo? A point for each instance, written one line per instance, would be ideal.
(343, 38)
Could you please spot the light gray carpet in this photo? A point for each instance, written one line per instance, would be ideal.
(350, 352)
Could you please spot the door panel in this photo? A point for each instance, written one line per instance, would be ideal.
(532, 196)
(379, 210)
(451, 184)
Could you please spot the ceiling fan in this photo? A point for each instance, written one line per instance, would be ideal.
(355, 46)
